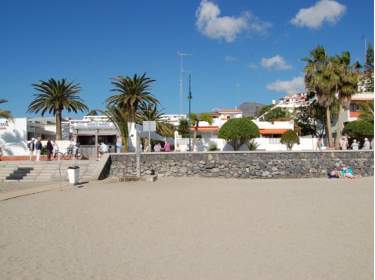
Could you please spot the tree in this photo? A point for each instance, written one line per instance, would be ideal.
(150, 112)
(131, 93)
(347, 82)
(184, 128)
(369, 65)
(195, 119)
(54, 97)
(359, 129)
(289, 138)
(238, 131)
(321, 80)
(93, 112)
(120, 120)
(277, 114)
(367, 112)
(310, 119)
(4, 114)
(368, 75)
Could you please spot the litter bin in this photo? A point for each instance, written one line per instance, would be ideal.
(73, 175)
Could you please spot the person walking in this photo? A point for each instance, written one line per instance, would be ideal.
(167, 147)
(38, 148)
(366, 144)
(319, 144)
(49, 149)
(55, 151)
(31, 147)
(355, 145)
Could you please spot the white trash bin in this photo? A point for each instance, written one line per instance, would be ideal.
(73, 175)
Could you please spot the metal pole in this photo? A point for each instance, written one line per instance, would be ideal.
(137, 154)
(149, 141)
(189, 97)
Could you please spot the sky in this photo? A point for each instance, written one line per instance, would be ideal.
(241, 50)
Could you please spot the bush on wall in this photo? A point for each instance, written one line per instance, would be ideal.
(289, 138)
(238, 132)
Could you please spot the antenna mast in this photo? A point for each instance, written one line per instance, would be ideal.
(181, 82)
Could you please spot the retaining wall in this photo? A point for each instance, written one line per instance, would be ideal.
(240, 164)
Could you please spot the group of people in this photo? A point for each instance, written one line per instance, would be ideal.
(344, 144)
(35, 148)
(165, 148)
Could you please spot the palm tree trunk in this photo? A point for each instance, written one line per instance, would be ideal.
(339, 127)
(329, 127)
(58, 125)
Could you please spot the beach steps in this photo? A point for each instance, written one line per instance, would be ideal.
(45, 171)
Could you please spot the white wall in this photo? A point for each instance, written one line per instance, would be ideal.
(265, 144)
(13, 135)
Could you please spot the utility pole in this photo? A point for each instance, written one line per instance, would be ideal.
(190, 97)
(181, 83)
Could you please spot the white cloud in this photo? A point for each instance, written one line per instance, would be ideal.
(297, 84)
(230, 59)
(252, 66)
(323, 11)
(214, 26)
(275, 62)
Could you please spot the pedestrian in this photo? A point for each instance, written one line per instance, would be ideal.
(103, 148)
(343, 143)
(319, 144)
(157, 147)
(355, 145)
(366, 144)
(55, 150)
(167, 147)
(38, 148)
(31, 147)
(49, 149)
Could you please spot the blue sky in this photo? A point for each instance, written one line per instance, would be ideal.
(241, 50)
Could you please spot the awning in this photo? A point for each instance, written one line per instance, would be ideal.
(206, 128)
(272, 131)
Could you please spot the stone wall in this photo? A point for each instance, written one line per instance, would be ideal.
(242, 164)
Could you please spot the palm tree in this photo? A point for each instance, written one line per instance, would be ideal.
(55, 96)
(320, 80)
(150, 112)
(131, 93)
(195, 119)
(120, 120)
(345, 88)
(4, 114)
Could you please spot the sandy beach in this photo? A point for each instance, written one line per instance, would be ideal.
(192, 228)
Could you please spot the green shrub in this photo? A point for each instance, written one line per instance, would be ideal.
(212, 147)
(359, 129)
(289, 138)
(238, 131)
(252, 146)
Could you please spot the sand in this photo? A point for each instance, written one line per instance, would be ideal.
(192, 228)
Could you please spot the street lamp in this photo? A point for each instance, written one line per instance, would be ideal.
(190, 97)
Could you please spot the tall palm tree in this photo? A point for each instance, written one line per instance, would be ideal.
(195, 119)
(4, 114)
(120, 119)
(150, 112)
(130, 93)
(320, 80)
(346, 86)
(54, 97)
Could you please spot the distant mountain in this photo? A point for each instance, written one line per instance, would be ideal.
(250, 109)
